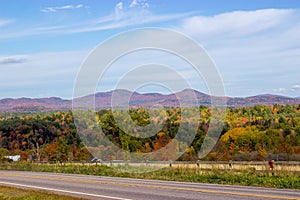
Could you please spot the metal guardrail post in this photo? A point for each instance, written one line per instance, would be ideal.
(230, 164)
(271, 166)
(198, 163)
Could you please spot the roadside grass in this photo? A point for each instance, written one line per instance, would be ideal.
(10, 193)
(284, 179)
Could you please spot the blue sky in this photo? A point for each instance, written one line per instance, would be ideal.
(254, 44)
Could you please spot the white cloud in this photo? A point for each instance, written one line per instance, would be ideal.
(41, 74)
(122, 10)
(296, 87)
(66, 7)
(280, 90)
(69, 7)
(127, 20)
(136, 6)
(4, 22)
(291, 90)
(133, 4)
(146, 5)
(254, 50)
(119, 6)
(12, 60)
(139, 3)
(122, 17)
(236, 23)
(168, 73)
(119, 10)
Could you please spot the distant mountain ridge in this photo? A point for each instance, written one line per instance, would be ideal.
(103, 100)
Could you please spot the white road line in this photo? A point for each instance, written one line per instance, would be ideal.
(65, 191)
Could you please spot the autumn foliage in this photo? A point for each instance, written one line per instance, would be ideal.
(249, 133)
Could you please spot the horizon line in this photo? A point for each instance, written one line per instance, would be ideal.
(145, 93)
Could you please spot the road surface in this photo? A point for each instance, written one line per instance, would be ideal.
(99, 187)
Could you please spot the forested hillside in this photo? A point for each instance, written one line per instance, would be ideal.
(249, 133)
(103, 100)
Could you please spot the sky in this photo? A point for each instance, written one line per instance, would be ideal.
(254, 44)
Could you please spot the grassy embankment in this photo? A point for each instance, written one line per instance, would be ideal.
(249, 177)
(9, 193)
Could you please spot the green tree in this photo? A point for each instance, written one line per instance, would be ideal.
(63, 150)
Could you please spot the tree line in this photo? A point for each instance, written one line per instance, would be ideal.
(249, 133)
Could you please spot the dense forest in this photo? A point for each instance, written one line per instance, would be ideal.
(249, 133)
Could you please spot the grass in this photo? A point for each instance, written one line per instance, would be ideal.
(248, 177)
(9, 193)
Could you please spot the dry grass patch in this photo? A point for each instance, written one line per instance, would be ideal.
(10, 193)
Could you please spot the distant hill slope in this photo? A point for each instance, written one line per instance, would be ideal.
(103, 100)
(264, 99)
(36, 104)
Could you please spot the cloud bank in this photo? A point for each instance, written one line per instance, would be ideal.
(256, 51)
(4, 22)
(124, 15)
(57, 8)
(7, 61)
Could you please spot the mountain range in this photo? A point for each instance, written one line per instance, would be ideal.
(103, 100)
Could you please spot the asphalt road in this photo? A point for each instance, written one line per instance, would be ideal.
(99, 187)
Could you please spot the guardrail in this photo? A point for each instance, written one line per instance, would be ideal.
(217, 165)
(257, 166)
(197, 163)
